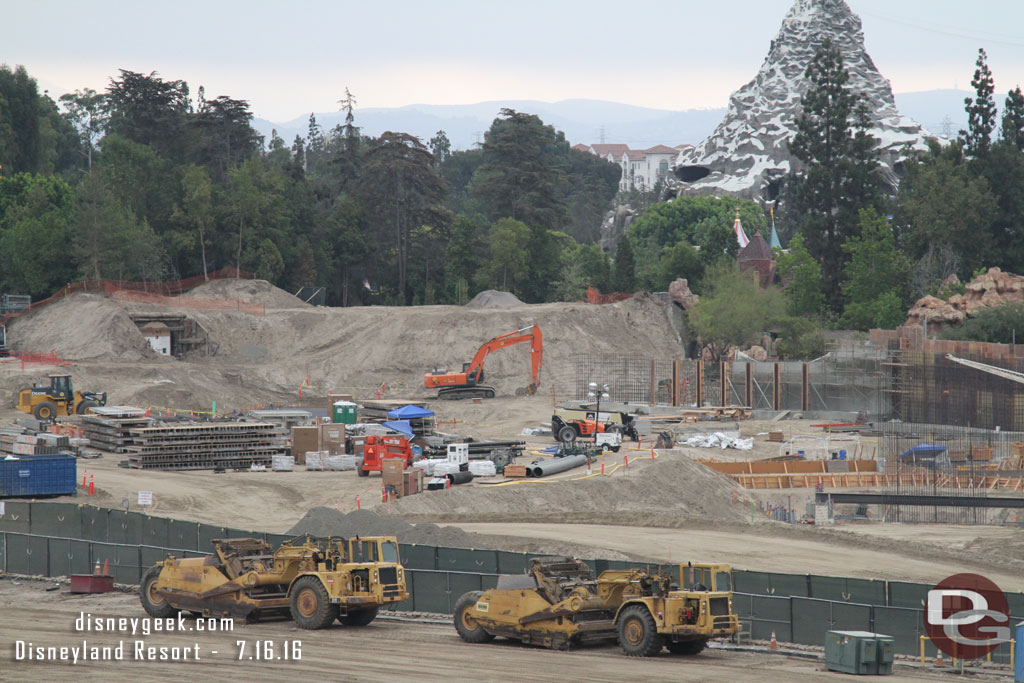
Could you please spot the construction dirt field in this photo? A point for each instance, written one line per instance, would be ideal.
(386, 650)
(635, 504)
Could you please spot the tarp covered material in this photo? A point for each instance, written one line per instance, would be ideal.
(402, 426)
(409, 412)
(720, 440)
(922, 451)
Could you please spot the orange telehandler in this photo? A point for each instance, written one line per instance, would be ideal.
(469, 382)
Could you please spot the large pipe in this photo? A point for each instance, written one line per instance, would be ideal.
(543, 469)
(459, 477)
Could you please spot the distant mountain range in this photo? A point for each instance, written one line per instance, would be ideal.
(590, 121)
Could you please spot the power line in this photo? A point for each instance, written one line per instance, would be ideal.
(948, 31)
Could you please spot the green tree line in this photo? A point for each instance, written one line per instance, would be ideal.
(145, 181)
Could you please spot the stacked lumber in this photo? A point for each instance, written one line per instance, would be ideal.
(108, 428)
(205, 446)
(14, 442)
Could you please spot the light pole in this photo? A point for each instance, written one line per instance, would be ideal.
(598, 394)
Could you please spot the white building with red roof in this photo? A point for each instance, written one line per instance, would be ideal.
(642, 169)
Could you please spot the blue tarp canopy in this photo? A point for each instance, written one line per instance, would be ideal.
(922, 451)
(402, 426)
(409, 413)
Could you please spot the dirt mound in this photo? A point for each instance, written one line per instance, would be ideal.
(81, 327)
(667, 492)
(257, 291)
(493, 298)
(323, 521)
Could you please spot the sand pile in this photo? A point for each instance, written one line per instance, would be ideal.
(81, 327)
(324, 521)
(493, 298)
(667, 492)
(256, 291)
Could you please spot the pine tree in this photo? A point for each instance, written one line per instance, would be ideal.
(624, 270)
(841, 175)
(981, 111)
(1013, 119)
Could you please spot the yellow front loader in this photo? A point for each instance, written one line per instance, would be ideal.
(313, 580)
(559, 604)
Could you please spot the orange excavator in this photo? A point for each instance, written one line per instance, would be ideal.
(469, 382)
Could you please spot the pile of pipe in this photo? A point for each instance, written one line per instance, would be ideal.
(544, 468)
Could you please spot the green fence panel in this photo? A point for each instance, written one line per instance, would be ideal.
(150, 555)
(1016, 602)
(123, 561)
(16, 517)
(512, 563)
(488, 581)
(418, 556)
(95, 523)
(848, 616)
(905, 626)
(56, 519)
(155, 531)
(27, 554)
(182, 535)
(430, 592)
(908, 595)
(206, 533)
(466, 560)
(768, 583)
(783, 585)
(277, 540)
(458, 585)
(124, 527)
(843, 589)
(812, 619)
(768, 615)
(3, 551)
(231, 532)
(68, 557)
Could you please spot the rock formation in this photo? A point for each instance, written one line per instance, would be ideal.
(988, 290)
(748, 154)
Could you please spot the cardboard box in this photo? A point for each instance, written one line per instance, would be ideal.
(304, 440)
(412, 481)
(392, 470)
(515, 471)
(332, 438)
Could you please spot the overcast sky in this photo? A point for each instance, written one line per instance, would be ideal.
(288, 59)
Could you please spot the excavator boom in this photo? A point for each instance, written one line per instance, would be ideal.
(469, 382)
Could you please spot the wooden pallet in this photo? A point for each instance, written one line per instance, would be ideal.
(515, 471)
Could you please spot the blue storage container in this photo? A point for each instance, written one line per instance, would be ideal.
(38, 475)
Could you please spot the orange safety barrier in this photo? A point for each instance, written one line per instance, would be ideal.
(110, 286)
(184, 301)
(596, 297)
(38, 357)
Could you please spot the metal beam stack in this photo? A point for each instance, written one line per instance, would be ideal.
(205, 446)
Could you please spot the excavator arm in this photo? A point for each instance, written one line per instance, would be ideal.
(469, 382)
(527, 334)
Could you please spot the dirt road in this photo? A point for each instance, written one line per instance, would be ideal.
(757, 551)
(384, 651)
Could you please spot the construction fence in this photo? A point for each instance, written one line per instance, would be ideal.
(109, 287)
(57, 539)
(849, 378)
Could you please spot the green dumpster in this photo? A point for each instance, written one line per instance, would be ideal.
(344, 412)
(858, 652)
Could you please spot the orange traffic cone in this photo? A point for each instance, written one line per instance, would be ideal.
(106, 567)
(773, 644)
(92, 485)
(97, 569)
(938, 659)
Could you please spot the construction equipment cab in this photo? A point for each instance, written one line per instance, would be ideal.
(469, 382)
(377, 449)
(47, 401)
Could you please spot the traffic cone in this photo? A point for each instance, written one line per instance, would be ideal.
(938, 659)
(773, 644)
(652, 454)
(106, 567)
(358, 505)
(92, 485)
(96, 571)
(625, 461)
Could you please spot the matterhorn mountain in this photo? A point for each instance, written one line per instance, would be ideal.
(748, 154)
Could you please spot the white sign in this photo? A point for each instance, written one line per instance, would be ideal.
(145, 497)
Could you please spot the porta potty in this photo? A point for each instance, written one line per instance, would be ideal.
(344, 412)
